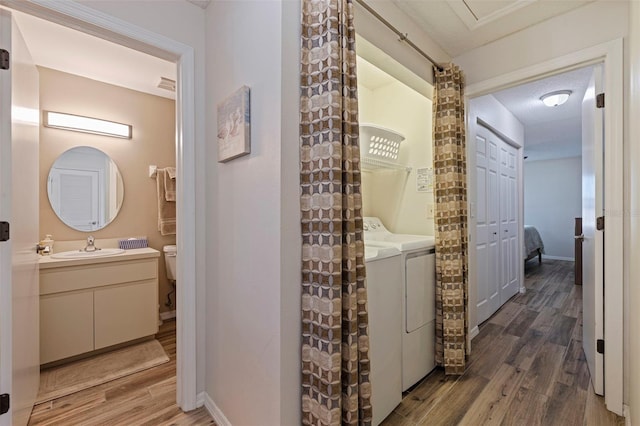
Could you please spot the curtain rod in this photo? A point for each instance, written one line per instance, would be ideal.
(403, 37)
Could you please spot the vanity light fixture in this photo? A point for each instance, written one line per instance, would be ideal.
(78, 123)
(553, 99)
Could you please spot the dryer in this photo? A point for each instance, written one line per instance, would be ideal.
(418, 299)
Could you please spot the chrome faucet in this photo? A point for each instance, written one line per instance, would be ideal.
(90, 244)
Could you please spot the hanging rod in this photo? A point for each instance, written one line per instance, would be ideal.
(403, 36)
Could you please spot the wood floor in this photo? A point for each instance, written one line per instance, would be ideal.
(144, 398)
(526, 367)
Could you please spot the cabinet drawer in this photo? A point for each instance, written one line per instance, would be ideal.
(57, 280)
(125, 312)
(66, 325)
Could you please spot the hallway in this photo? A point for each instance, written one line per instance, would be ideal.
(527, 365)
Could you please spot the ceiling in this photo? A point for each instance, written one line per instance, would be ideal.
(462, 25)
(63, 49)
(554, 132)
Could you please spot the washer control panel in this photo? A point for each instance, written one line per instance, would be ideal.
(373, 224)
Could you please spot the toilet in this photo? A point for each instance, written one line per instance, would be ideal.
(170, 254)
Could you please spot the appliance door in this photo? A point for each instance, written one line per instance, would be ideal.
(420, 289)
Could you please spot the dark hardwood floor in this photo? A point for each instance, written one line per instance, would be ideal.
(526, 366)
(144, 398)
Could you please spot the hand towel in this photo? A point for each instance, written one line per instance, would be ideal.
(171, 171)
(166, 209)
(170, 183)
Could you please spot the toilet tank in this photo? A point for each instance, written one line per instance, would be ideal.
(170, 254)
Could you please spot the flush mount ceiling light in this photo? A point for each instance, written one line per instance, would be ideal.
(78, 123)
(554, 99)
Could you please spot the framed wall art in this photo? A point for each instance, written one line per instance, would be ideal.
(234, 125)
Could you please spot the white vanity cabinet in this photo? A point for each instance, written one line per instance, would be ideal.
(90, 304)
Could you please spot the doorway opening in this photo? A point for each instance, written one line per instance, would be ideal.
(610, 56)
(96, 23)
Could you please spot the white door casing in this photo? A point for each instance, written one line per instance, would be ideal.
(593, 240)
(19, 331)
(92, 21)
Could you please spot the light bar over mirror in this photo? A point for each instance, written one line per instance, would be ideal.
(78, 123)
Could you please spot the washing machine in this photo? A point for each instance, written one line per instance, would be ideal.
(384, 293)
(418, 276)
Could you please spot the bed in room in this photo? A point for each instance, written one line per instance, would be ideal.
(533, 245)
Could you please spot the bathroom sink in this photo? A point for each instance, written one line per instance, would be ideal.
(79, 254)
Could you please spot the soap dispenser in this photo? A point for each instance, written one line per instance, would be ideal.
(47, 242)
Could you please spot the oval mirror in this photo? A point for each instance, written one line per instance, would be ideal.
(85, 188)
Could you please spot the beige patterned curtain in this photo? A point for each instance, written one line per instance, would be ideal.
(335, 341)
(450, 170)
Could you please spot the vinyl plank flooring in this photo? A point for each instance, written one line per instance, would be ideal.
(457, 403)
(492, 404)
(562, 329)
(566, 406)
(144, 398)
(426, 395)
(526, 365)
(527, 408)
(521, 323)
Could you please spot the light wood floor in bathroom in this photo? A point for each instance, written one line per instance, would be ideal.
(144, 398)
(526, 367)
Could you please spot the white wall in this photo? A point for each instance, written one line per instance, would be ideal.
(493, 113)
(552, 38)
(391, 195)
(253, 295)
(552, 200)
(632, 332)
(383, 38)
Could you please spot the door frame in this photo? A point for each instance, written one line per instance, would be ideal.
(105, 26)
(610, 54)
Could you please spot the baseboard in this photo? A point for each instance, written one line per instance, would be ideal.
(200, 399)
(167, 315)
(523, 290)
(474, 332)
(214, 411)
(626, 411)
(546, 256)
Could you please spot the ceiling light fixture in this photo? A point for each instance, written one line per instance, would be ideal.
(78, 123)
(554, 99)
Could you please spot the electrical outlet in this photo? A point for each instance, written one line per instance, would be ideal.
(430, 213)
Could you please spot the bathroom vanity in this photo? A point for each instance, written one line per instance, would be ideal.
(87, 304)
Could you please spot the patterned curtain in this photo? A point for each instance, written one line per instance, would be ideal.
(450, 170)
(335, 341)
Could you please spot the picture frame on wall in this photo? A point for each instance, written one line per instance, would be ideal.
(234, 125)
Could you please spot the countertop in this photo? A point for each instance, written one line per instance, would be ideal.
(47, 262)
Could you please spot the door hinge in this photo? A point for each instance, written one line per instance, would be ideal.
(600, 223)
(4, 59)
(4, 231)
(600, 346)
(4, 403)
(600, 100)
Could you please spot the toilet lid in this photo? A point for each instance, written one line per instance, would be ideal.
(170, 249)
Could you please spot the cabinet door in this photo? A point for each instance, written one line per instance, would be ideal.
(66, 325)
(125, 312)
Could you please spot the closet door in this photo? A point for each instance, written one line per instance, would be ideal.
(487, 224)
(508, 223)
(497, 227)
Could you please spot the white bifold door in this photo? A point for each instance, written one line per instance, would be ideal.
(19, 292)
(497, 227)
